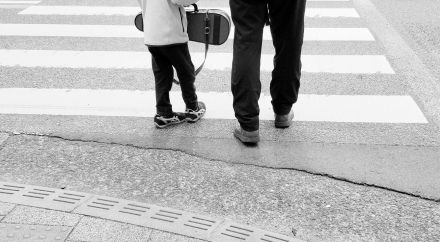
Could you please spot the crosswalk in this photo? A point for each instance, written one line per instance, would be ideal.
(345, 108)
(132, 11)
(330, 108)
(217, 61)
(127, 31)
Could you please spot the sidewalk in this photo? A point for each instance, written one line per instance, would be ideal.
(283, 201)
(45, 214)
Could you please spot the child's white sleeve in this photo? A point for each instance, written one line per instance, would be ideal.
(184, 2)
(141, 3)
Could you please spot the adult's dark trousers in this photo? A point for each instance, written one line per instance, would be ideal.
(287, 29)
(164, 58)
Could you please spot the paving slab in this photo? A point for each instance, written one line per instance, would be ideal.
(31, 215)
(159, 236)
(5, 208)
(25, 232)
(94, 229)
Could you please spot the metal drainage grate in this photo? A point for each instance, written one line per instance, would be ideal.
(151, 216)
(42, 197)
(166, 219)
(24, 232)
(236, 232)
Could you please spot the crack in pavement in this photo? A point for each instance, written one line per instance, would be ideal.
(11, 134)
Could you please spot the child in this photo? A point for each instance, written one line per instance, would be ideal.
(165, 34)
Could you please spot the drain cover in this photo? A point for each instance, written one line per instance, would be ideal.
(142, 214)
(24, 232)
(151, 216)
(231, 231)
(42, 197)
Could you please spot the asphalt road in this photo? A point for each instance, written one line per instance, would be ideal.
(394, 162)
(418, 23)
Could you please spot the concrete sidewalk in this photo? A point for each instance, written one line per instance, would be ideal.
(283, 201)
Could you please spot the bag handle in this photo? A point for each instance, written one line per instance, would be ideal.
(207, 31)
(196, 8)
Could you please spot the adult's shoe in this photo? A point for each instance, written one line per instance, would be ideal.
(283, 121)
(247, 137)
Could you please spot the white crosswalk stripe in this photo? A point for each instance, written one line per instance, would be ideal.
(128, 31)
(333, 108)
(310, 107)
(216, 61)
(132, 11)
(320, 12)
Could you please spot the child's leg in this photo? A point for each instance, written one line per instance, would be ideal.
(163, 76)
(181, 60)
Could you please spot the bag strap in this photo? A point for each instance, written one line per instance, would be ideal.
(207, 31)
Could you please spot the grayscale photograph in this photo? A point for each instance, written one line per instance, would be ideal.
(219, 120)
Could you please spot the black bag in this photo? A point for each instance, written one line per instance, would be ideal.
(214, 23)
(208, 26)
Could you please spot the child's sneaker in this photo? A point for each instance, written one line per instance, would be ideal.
(193, 116)
(165, 121)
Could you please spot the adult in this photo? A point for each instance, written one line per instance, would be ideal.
(287, 29)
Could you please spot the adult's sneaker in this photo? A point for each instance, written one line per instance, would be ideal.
(165, 121)
(193, 116)
(283, 121)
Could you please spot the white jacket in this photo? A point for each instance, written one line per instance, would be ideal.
(165, 21)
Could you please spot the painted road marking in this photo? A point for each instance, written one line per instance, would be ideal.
(319, 12)
(358, 64)
(81, 10)
(325, 108)
(70, 30)
(128, 31)
(332, 13)
(327, 34)
(131, 11)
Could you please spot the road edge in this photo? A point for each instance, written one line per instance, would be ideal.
(404, 60)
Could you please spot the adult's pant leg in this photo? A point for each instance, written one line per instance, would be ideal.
(287, 28)
(248, 18)
(163, 76)
(180, 58)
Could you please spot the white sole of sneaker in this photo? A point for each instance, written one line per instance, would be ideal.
(167, 125)
(195, 120)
